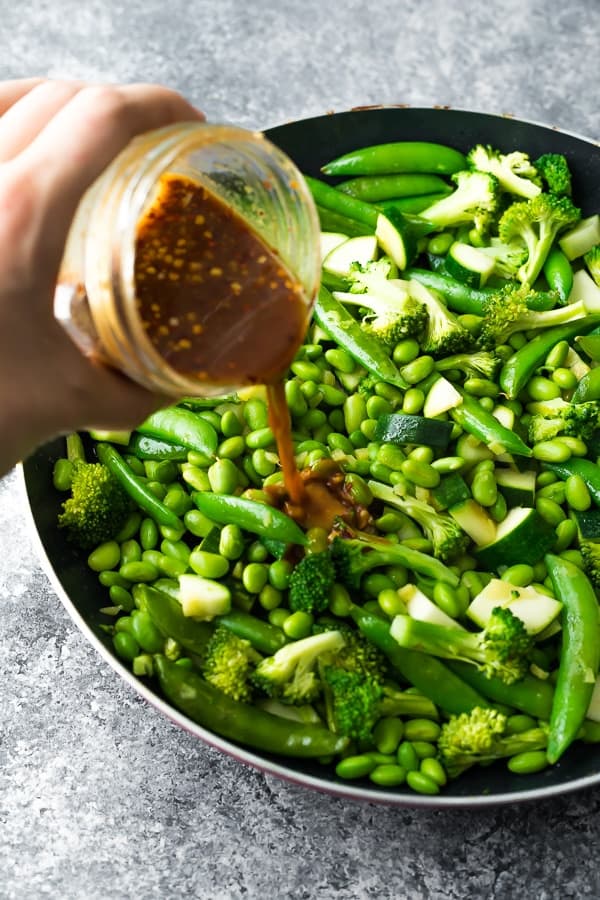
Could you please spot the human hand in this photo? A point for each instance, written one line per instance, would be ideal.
(56, 138)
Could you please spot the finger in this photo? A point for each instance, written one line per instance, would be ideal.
(85, 136)
(12, 91)
(24, 120)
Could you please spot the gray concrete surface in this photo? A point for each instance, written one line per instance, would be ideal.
(99, 796)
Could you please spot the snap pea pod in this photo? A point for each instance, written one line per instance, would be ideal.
(431, 676)
(197, 404)
(530, 695)
(471, 416)
(409, 205)
(558, 273)
(580, 653)
(519, 368)
(259, 518)
(241, 722)
(341, 327)
(464, 299)
(329, 198)
(588, 387)
(145, 447)
(585, 468)
(263, 636)
(373, 188)
(181, 426)
(137, 490)
(398, 156)
(166, 613)
(334, 221)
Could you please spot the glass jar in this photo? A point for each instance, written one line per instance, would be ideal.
(95, 298)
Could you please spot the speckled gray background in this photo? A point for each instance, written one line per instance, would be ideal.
(99, 796)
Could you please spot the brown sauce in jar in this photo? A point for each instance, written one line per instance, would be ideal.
(219, 306)
(215, 302)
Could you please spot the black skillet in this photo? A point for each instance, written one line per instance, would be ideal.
(310, 143)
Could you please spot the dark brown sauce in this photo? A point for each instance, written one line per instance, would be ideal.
(220, 307)
(217, 304)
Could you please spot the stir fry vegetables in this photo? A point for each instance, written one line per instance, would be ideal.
(435, 606)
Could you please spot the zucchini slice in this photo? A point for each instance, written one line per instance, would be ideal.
(473, 519)
(330, 240)
(468, 264)
(399, 428)
(536, 611)
(420, 607)
(588, 524)
(396, 238)
(522, 537)
(518, 488)
(441, 397)
(361, 250)
(451, 491)
(581, 238)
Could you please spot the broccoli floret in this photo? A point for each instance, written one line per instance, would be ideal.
(358, 553)
(554, 169)
(447, 537)
(355, 702)
(229, 662)
(480, 737)
(358, 655)
(392, 313)
(97, 507)
(536, 223)
(508, 258)
(592, 261)
(443, 335)
(311, 582)
(514, 171)
(590, 552)
(291, 674)
(475, 200)
(553, 417)
(507, 312)
(475, 364)
(367, 384)
(501, 649)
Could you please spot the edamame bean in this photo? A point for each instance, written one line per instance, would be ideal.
(197, 523)
(520, 575)
(413, 402)
(374, 583)
(332, 396)
(231, 448)
(421, 783)
(139, 571)
(421, 730)
(105, 556)
(575, 445)
(433, 769)
(417, 370)
(223, 476)
(130, 528)
(298, 625)
(152, 556)
(355, 766)
(558, 355)
(565, 379)
(254, 577)
(108, 578)
(387, 734)
(407, 757)
(391, 456)
(255, 414)
(484, 488)
(131, 551)
(577, 494)
(148, 534)
(164, 471)
(550, 511)
(555, 491)
(196, 478)
(257, 552)
(231, 425)
(540, 388)
(528, 763)
(175, 549)
(481, 387)
(378, 406)
(305, 370)
(439, 244)
(422, 454)
(279, 574)
(391, 604)
(422, 474)
(209, 565)
(445, 598)
(518, 723)
(120, 596)
(278, 616)
(388, 775)
(341, 360)
(405, 351)
(146, 633)
(551, 451)
(270, 598)
(170, 567)
(126, 645)
(566, 532)
(62, 474)
(231, 542)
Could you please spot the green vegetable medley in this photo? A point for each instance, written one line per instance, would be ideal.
(448, 394)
